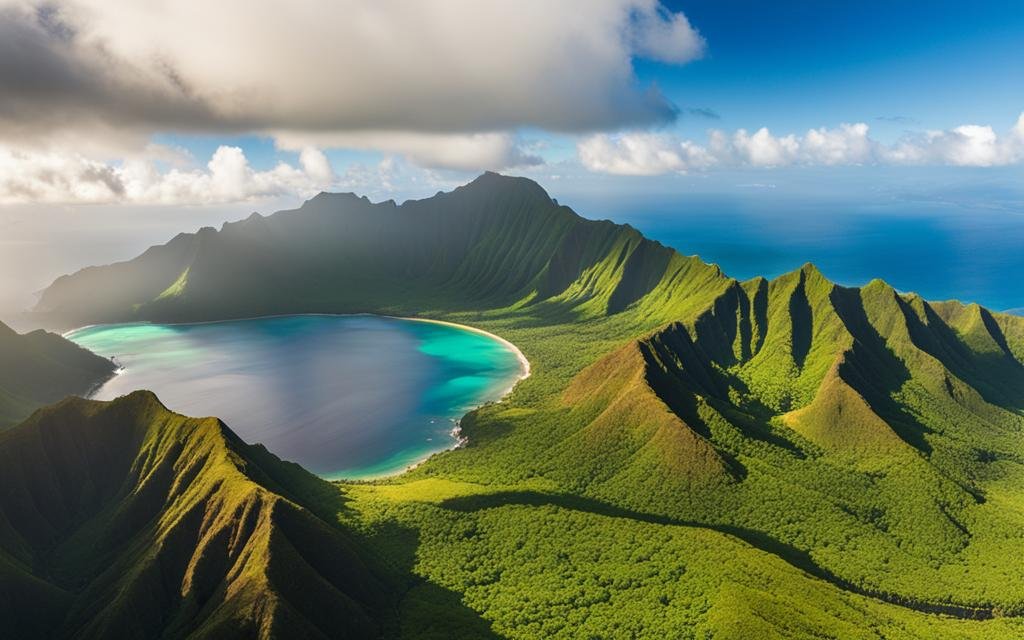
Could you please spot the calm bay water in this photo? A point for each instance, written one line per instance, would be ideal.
(345, 396)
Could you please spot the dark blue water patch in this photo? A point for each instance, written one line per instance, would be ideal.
(941, 251)
(345, 396)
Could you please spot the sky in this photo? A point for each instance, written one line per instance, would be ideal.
(186, 112)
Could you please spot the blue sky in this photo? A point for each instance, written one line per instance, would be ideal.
(795, 65)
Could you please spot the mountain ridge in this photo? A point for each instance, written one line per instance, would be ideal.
(581, 246)
(153, 524)
(466, 254)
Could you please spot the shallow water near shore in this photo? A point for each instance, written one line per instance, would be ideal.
(344, 396)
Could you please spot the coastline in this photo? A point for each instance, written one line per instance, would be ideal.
(456, 432)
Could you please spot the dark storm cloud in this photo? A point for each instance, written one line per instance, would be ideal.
(49, 80)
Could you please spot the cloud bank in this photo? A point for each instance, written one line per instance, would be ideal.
(164, 177)
(84, 84)
(646, 154)
(455, 85)
(405, 68)
(461, 152)
(58, 177)
(52, 177)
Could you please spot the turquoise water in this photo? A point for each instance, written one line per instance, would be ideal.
(344, 396)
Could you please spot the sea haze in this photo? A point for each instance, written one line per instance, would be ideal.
(344, 396)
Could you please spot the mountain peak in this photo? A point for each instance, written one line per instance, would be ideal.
(811, 269)
(328, 196)
(497, 182)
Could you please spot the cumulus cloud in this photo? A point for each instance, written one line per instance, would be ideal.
(638, 154)
(395, 178)
(459, 66)
(662, 35)
(53, 177)
(316, 165)
(644, 153)
(967, 145)
(463, 152)
(84, 84)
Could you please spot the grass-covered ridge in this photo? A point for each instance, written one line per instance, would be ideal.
(125, 520)
(691, 456)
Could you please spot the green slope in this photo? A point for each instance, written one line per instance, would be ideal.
(39, 367)
(129, 521)
(692, 456)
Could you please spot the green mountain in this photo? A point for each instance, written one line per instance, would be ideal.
(493, 243)
(38, 368)
(692, 456)
(125, 520)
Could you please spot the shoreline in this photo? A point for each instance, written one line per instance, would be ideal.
(524, 364)
(456, 433)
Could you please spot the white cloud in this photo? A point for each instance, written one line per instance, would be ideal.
(967, 145)
(316, 165)
(465, 152)
(641, 153)
(50, 177)
(762, 149)
(394, 178)
(452, 67)
(661, 35)
(849, 144)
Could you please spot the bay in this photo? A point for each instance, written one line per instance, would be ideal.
(344, 396)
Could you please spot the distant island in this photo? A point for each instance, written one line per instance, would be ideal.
(691, 456)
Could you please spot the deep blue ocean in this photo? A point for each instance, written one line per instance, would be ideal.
(940, 250)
